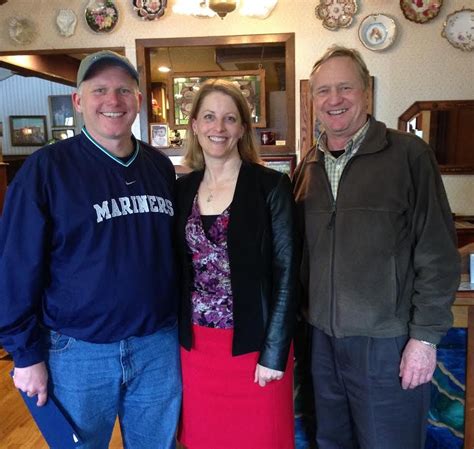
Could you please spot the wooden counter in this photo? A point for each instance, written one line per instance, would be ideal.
(464, 230)
(463, 310)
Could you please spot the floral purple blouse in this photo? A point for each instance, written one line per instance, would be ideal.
(211, 294)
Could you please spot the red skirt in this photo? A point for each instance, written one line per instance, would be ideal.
(222, 406)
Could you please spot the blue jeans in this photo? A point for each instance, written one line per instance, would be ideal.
(137, 379)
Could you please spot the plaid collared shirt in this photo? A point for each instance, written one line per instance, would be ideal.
(335, 166)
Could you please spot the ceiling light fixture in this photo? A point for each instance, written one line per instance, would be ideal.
(166, 65)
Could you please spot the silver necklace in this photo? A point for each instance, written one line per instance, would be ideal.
(210, 196)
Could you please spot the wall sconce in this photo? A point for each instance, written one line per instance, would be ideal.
(260, 9)
(222, 7)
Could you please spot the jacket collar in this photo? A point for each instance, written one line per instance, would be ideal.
(375, 140)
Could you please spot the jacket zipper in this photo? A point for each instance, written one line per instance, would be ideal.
(331, 226)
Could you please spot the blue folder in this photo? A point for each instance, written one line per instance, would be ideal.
(56, 429)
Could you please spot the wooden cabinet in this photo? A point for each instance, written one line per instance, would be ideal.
(464, 230)
(223, 55)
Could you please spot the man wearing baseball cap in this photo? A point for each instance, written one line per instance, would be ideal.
(88, 284)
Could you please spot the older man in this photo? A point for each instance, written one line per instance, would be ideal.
(87, 278)
(380, 266)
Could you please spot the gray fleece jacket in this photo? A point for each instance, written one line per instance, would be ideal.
(381, 260)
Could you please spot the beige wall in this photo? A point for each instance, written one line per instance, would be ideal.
(421, 65)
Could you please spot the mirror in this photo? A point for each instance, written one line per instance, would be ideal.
(263, 65)
(448, 127)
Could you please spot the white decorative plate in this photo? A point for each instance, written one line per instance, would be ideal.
(66, 21)
(377, 32)
(458, 29)
(336, 13)
(22, 31)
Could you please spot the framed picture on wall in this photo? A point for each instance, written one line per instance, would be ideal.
(61, 134)
(159, 135)
(1, 129)
(28, 130)
(284, 164)
(183, 88)
(61, 111)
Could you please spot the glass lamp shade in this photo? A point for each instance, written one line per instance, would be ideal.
(222, 7)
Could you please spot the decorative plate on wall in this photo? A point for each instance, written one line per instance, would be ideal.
(66, 21)
(420, 11)
(336, 13)
(21, 30)
(101, 15)
(458, 29)
(150, 9)
(377, 32)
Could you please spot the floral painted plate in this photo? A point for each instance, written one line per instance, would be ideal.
(458, 29)
(377, 32)
(150, 9)
(101, 15)
(420, 11)
(336, 13)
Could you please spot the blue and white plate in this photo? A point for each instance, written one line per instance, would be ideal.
(377, 32)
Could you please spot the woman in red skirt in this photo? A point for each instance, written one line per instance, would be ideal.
(237, 247)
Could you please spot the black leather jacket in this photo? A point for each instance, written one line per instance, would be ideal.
(263, 262)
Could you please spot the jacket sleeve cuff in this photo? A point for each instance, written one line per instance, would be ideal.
(272, 359)
(23, 359)
(424, 335)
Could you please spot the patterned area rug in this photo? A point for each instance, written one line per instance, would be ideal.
(446, 418)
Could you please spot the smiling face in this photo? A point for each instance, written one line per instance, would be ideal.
(339, 99)
(109, 101)
(218, 127)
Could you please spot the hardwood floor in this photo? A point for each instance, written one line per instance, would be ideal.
(17, 428)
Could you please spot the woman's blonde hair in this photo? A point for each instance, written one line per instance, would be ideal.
(247, 144)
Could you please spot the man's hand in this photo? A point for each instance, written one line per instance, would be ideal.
(33, 380)
(265, 375)
(418, 364)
